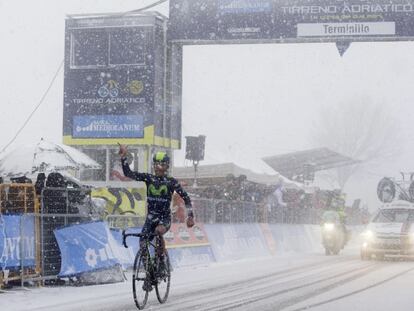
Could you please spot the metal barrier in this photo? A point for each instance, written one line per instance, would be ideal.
(18, 199)
(222, 211)
(60, 207)
(226, 211)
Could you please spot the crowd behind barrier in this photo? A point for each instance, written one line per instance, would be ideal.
(212, 211)
(239, 200)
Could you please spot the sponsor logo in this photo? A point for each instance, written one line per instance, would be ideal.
(169, 236)
(112, 88)
(183, 234)
(105, 126)
(108, 126)
(91, 257)
(162, 190)
(198, 233)
(244, 6)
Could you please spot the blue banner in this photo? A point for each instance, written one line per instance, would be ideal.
(108, 126)
(17, 242)
(86, 247)
(126, 256)
(191, 256)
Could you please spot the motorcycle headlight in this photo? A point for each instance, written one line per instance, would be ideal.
(328, 227)
(368, 235)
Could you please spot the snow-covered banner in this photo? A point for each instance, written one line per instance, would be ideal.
(212, 20)
(236, 241)
(86, 247)
(17, 241)
(191, 256)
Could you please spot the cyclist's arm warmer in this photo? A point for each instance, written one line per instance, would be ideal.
(133, 175)
(184, 195)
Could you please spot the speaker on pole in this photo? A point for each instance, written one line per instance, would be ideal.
(194, 151)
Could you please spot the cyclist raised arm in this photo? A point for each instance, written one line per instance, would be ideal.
(160, 188)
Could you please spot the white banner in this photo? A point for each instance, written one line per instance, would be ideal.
(345, 29)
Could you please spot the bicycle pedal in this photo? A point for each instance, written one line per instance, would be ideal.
(147, 286)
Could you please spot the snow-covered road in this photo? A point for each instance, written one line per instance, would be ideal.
(292, 282)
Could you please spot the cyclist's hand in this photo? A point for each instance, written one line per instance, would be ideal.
(190, 221)
(122, 150)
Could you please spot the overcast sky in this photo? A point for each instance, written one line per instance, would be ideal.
(249, 100)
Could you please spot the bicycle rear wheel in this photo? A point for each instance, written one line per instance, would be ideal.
(162, 288)
(141, 279)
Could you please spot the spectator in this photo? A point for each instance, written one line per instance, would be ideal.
(40, 183)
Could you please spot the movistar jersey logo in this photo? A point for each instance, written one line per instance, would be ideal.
(162, 190)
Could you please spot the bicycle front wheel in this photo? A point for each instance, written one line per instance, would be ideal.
(141, 280)
(162, 288)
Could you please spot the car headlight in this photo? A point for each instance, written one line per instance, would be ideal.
(328, 226)
(368, 235)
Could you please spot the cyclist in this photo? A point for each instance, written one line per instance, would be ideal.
(160, 188)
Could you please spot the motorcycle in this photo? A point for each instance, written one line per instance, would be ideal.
(333, 238)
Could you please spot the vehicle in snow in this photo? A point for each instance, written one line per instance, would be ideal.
(390, 233)
(333, 233)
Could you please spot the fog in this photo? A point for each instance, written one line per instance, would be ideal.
(249, 100)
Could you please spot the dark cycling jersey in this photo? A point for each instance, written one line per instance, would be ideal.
(159, 190)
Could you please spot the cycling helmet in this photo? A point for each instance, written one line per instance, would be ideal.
(161, 157)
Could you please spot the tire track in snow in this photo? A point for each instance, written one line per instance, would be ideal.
(257, 294)
(356, 291)
(230, 296)
(179, 299)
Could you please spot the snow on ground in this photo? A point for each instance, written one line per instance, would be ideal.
(183, 281)
(388, 288)
(291, 282)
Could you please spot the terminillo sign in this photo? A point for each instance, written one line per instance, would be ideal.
(330, 20)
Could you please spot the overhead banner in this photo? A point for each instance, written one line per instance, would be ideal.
(285, 19)
(17, 241)
(85, 248)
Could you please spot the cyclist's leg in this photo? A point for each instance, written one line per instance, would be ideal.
(160, 230)
(162, 227)
(146, 229)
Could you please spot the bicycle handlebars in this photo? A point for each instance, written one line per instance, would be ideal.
(139, 235)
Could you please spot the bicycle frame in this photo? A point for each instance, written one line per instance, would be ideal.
(152, 262)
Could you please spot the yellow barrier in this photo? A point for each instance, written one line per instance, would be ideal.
(122, 201)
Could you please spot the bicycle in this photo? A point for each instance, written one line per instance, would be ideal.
(146, 270)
